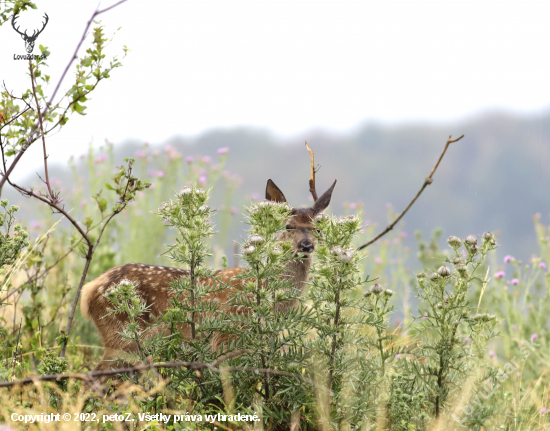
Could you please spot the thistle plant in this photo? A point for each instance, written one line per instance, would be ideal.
(270, 322)
(125, 300)
(14, 238)
(190, 216)
(446, 326)
(341, 316)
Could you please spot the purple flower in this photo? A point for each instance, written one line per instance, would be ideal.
(223, 150)
(515, 281)
(83, 203)
(509, 259)
(202, 180)
(404, 234)
(100, 159)
(398, 355)
(534, 337)
(542, 265)
(36, 224)
(467, 340)
(160, 174)
(206, 159)
(388, 205)
(255, 196)
(352, 206)
(515, 327)
(543, 410)
(378, 261)
(425, 316)
(395, 240)
(189, 159)
(140, 154)
(203, 172)
(492, 354)
(500, 274)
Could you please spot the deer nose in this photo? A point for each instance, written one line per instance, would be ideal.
(306, 246)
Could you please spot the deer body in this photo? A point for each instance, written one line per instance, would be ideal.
(152, 283)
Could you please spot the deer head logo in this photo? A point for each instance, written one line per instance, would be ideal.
(29, 40)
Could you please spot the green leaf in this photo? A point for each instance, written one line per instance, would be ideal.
(102, 204)
(88, 222)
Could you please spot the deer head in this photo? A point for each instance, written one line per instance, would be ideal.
(299, 226)
(29, 40)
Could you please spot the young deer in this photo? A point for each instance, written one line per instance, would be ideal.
(152, 281)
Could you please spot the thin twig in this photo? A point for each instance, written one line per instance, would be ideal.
(89, 377)
(52, 196)
(74, 57)
(427, 182)
(312, 175)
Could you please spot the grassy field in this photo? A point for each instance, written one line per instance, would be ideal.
(462, 344)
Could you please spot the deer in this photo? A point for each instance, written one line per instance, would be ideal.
(152, 281)
(29, 40)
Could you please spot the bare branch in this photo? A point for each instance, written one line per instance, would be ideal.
(313, 171)
(47, 182)
(427, 182)
(89, 377)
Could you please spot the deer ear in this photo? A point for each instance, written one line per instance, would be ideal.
(273, 193)
(323, 202)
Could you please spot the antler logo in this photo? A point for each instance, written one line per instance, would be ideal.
(29, 40)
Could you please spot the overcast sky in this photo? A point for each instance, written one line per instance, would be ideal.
(292, 65)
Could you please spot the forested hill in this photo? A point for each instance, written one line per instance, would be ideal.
(496, 178)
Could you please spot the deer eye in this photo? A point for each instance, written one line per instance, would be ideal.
(288, 227)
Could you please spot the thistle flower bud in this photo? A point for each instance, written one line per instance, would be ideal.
(484, 317)
(439, 305)
(320, 217)
(186, 191)
(388, 292)
(165, 206)
(336, 250)
(488, 236)
(256, 239)
(200, 192)
(204, 209)
(434, 276)
(457, 260)
(346, 255)
(367, 293)
(444, 271)
(461, 268)
(276, 251)
(471, 240)
(249, 249)
(473, 249)
(454, 241)
(376, 289)
(125, 282)
(421, 275)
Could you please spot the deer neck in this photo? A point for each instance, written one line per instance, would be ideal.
(298, 272)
